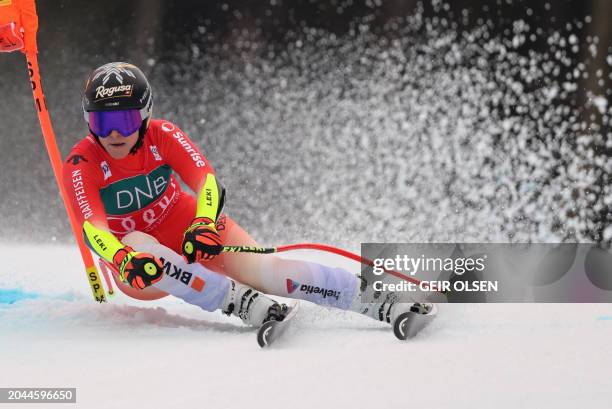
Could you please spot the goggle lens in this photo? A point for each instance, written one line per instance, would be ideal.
(126, 122)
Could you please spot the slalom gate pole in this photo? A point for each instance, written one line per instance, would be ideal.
(315, 246)
(56, 163)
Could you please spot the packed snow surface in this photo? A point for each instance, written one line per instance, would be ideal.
(129, 353)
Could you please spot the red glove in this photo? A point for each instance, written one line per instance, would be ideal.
(139, 270)
(10, 38)
(201, 240)
(18, 26)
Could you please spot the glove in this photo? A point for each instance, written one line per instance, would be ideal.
(18, 26)
(139, 270)
(201, 240)
(10, 38)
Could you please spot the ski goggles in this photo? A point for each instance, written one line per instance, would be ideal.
(126, 122)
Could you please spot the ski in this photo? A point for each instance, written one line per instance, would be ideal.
(272, 330)
(410, 323)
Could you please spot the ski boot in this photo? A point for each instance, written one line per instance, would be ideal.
(407, 318)
(251, 306)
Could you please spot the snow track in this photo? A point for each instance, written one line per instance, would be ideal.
(169, 354)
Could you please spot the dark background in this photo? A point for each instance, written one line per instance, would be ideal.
(316, 123)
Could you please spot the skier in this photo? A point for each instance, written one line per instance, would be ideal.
(162, 240)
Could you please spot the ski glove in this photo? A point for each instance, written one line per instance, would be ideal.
(201, 240)
(139, 270)
(18, 26)
(10, 38)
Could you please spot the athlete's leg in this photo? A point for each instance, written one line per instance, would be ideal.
(200, 286)
(170, 232)
(236, 266)
(244, 267)
(278, 276)
(266, 273)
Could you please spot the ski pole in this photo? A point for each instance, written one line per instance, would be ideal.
(315, 246)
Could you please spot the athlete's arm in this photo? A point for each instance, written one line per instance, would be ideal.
(201, 240)
(193, 168)
(82, 185)
(82, 182)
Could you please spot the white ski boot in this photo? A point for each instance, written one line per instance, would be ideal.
(407, 318)
(251, 306)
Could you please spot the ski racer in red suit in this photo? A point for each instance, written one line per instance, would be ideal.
(122, 178)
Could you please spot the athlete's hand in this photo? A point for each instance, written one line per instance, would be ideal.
(201, 240)
(139, 270)
(18, 26)
(10, 38)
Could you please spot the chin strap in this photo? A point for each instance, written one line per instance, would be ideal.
(141, 133)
